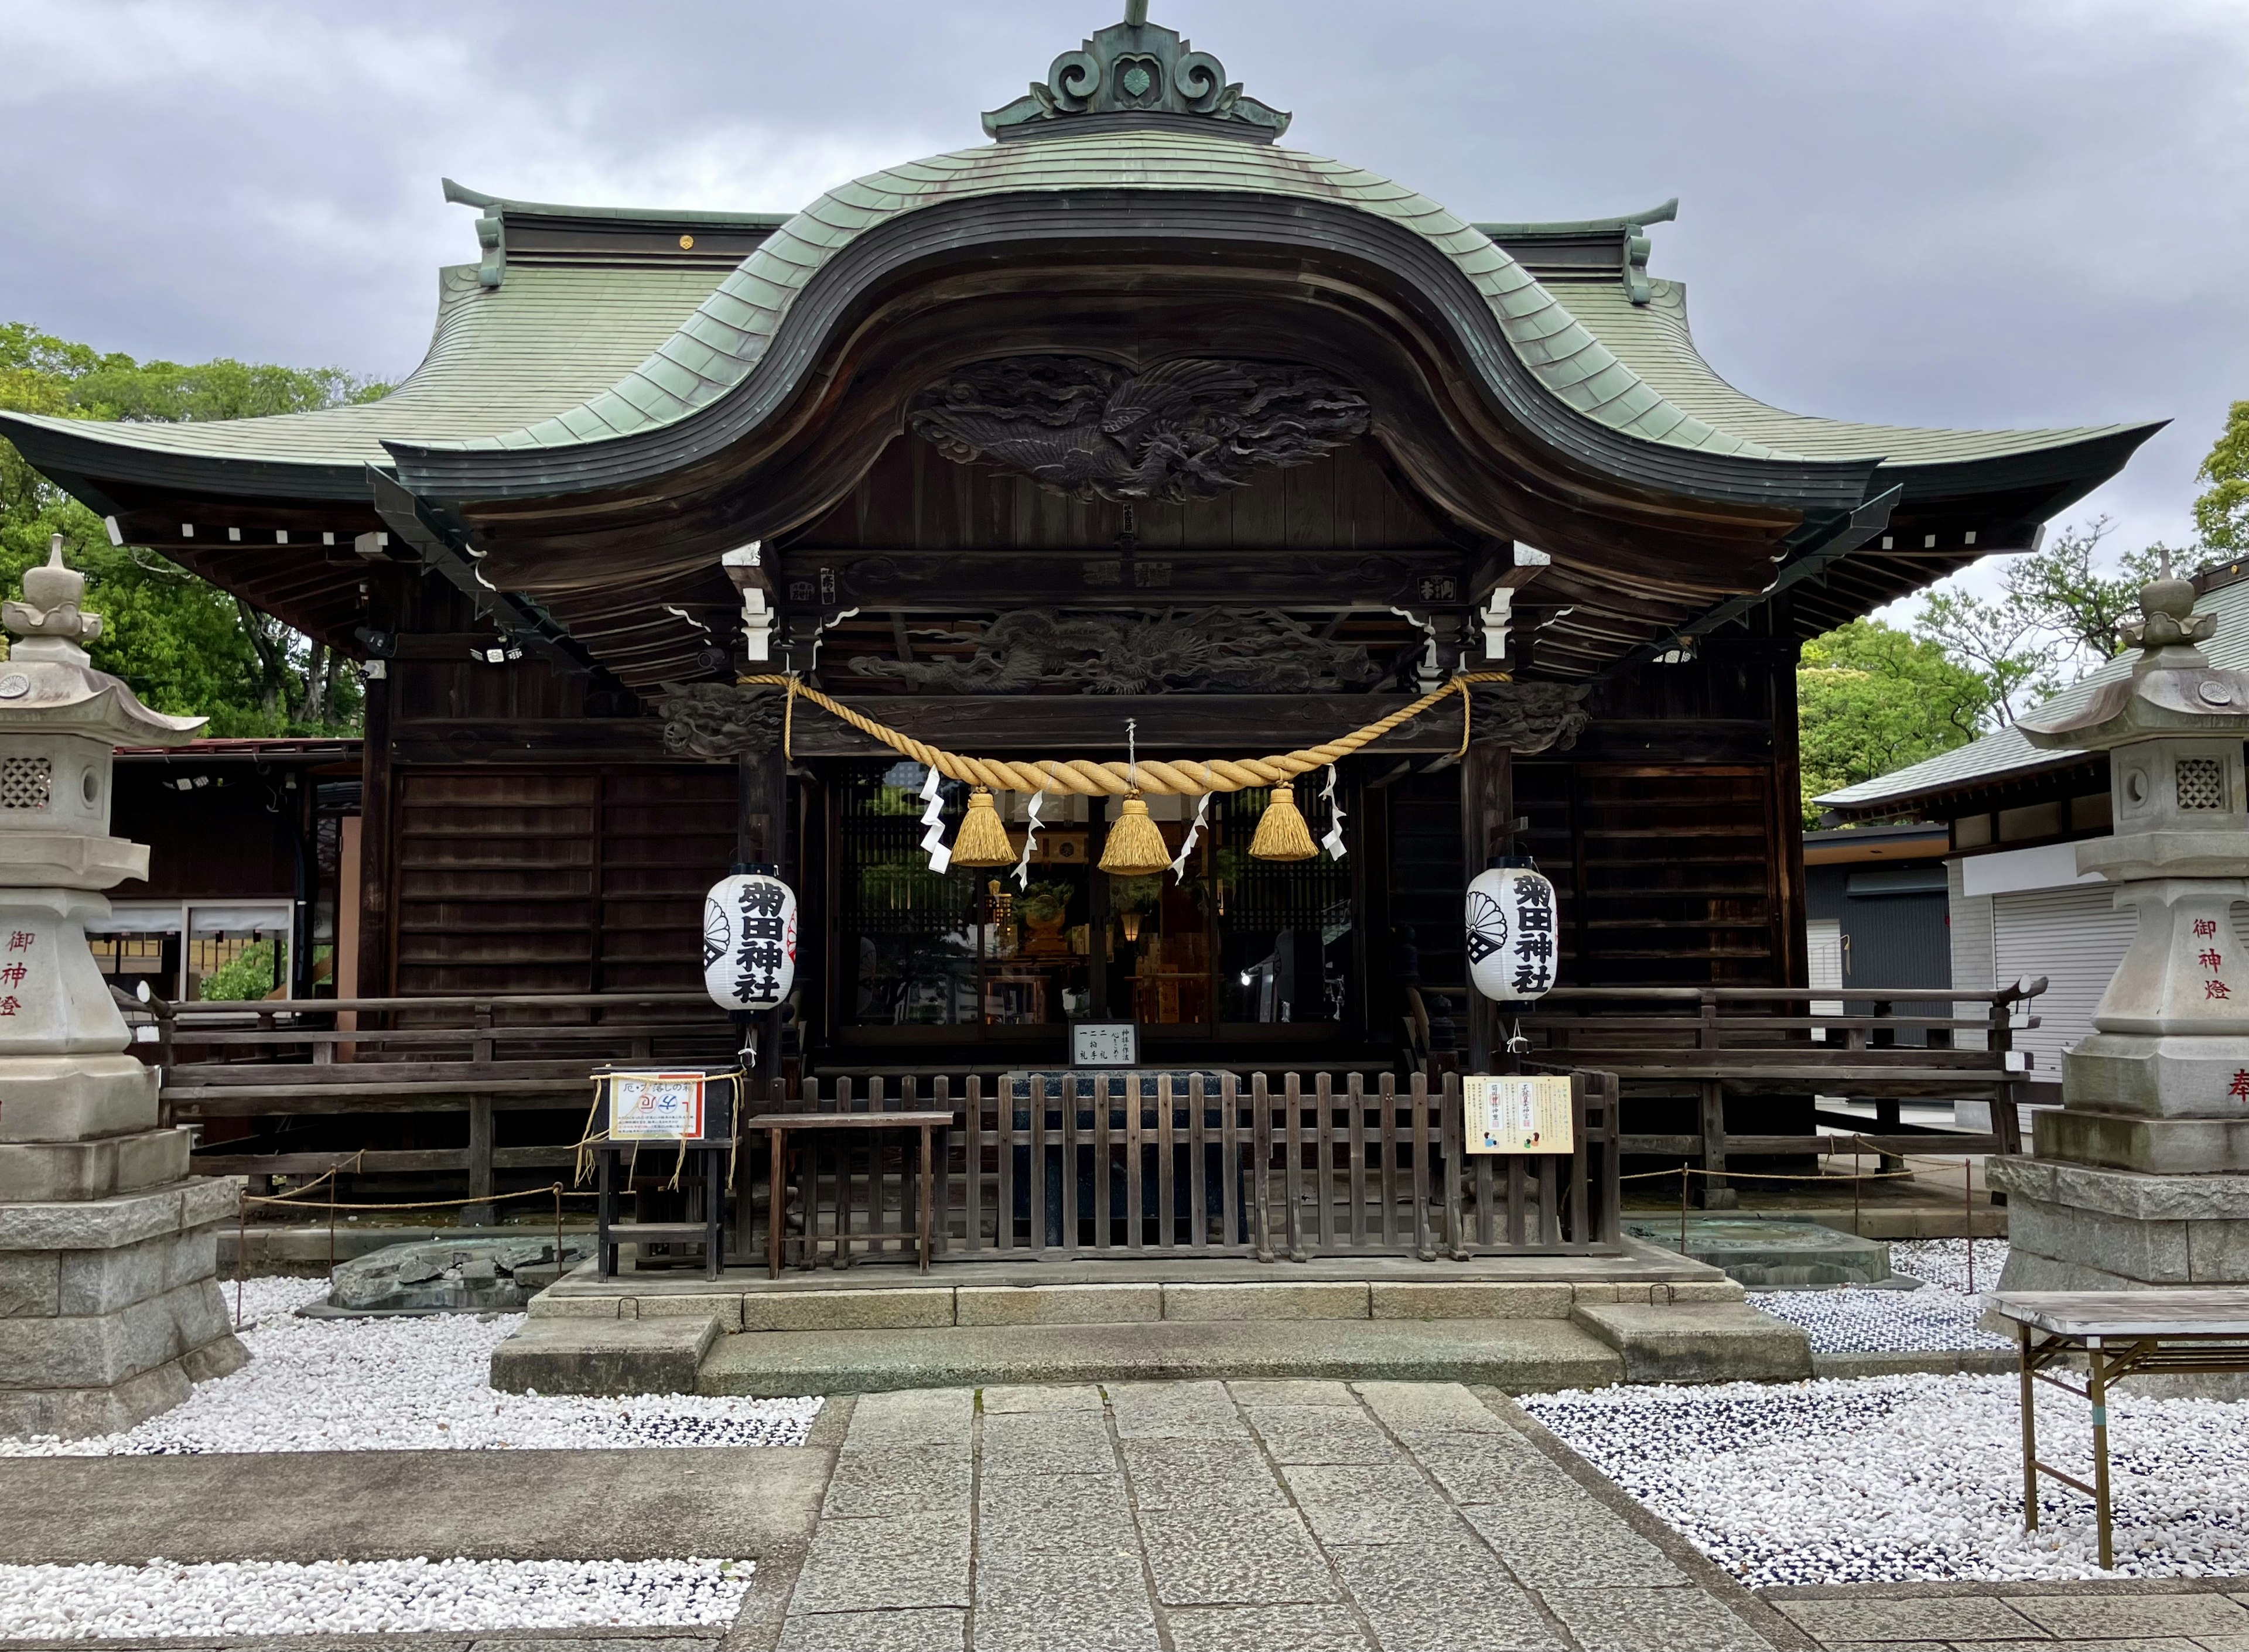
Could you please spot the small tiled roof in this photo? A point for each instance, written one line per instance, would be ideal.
(2009, 751)
(718, 346)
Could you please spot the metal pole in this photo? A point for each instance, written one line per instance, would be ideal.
(2098, 1392)
(241, 1248)
(558, 1233)
(1682, 1209)
(2030, 1428)
(1968, 1197)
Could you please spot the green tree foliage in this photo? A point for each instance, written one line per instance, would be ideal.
(257, 971)
(1871, 699)
(183, 644)
(2221, 514)
(2056, 617)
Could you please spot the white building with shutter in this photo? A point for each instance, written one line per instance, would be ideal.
(2013, 816)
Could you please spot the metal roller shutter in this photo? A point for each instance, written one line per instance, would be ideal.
(2075, 937)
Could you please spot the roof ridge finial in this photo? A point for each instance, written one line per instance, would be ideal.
(1144, 74)
(51, 595)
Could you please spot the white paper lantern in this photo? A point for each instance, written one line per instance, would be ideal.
(749, 941)
(1511, 939)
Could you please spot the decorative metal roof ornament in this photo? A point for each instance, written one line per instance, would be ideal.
(1144, 72)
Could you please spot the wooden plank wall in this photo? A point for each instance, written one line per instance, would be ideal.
(512, 867)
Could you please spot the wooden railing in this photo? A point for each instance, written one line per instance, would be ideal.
(1708, 1042)
(1287, 1165)
(479, 1056)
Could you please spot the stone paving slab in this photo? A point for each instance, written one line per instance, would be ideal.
(1292, 1514)
(736, 1502)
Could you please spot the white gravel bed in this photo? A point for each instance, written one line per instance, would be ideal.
(1940, 1315)
(410, 1385)
(364, 1597)
(1913, 1478)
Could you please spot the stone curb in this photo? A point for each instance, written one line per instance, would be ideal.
(1942, 1362)
(1705, 1572)
(1953, 1589)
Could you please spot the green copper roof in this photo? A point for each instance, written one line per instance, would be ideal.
(1655, 340)
(718, 346)
(500, 358)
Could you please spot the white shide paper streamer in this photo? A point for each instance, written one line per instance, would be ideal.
(940, 856)
(1333, 841)
(1030, 832)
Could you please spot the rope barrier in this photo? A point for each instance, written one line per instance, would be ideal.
(1751, 1175)
(418, 1204)
(1082, 777)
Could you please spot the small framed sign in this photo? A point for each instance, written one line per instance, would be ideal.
(1104, 1043)
(655, 1106)
(1516, 1115)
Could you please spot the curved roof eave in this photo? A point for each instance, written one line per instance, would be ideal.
(738, 361)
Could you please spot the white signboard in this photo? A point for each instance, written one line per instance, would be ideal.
(1104, 1043)
(655, 1106)
(1516, 1115)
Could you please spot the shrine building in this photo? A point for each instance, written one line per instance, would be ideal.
(1126, 433)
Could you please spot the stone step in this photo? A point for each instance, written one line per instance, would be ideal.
(1521, 1356)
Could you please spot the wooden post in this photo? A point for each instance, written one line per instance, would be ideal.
(1485, 788)
(480, 1162)
(1717, 1194)
(374, 974)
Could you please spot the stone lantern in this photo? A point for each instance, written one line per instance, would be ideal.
(2138, 1179)
(108, 1249)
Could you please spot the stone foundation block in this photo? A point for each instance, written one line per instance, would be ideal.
(2159, 1146)
(911, 1309)
(79, 1413)
(103, 1224)
(1058, 1304)
(547, 1305)
(598, 1356)
(41, 1172)
(92, 1282)
(1470, 1299)
(104, 1350)
(2152, 1250)
(30, 1284)
(1308, 1300)
(1708, 1342)
(1705, 1291)
(75, 1098)
(727, 1310)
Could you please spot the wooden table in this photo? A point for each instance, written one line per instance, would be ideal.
(2121, 1333)
(778, 1127)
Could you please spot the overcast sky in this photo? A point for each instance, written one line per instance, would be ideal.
(1971, 212)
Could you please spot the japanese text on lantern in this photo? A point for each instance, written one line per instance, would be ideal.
(15, 973)
(2205, 930)
(767, 940)
(1534, 930)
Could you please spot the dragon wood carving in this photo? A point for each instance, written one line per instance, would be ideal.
(1210, 650)
(1184, 430)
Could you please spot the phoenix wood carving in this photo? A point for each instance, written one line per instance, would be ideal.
(1184, 430)
(1213, 651)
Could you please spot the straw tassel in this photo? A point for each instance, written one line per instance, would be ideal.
(982, 840)
(1282, 834)
(1135, 848)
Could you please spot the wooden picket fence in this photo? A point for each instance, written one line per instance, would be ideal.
(1193, 1164)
